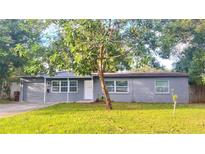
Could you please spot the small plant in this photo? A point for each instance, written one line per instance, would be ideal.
(174, 98)
(100, 99)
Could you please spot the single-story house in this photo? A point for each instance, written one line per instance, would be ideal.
(122, 86)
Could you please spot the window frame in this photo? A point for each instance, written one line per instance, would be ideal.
(115, 87)
(55, 86)
(168, 87)
(68, 86)
(73, 86)
(110, 86)
(64, 86)
(121, 86)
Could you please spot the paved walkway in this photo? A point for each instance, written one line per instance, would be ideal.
(15, 108)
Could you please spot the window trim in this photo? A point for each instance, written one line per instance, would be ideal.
(110, 86)
(156, 92)
(55, 86)
(63, 86)
(73, 86)
(115, 92)
(68, 81)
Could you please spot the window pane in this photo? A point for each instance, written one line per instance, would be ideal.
(110, 89)
(162, 89)
(64, 89)
(55, 83)
(109, 83)
(162, 83)
(73, 89)
(55, 89)
(64, 83)
(73, 83)
(121, 83)
(121, 89)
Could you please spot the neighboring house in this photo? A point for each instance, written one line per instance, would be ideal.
(8, 91)
(14, 86)
(123, 87)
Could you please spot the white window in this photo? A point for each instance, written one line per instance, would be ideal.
(73, 86)
(121, 86)
(55, 86)
(58, 86)
(110, 86)
(64, 86)
(117, 86)
(162, 86)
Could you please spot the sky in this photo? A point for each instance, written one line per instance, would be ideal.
(49, 35)
(167, 63)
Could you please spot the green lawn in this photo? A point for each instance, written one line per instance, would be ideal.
(93, 118)
(5, 101)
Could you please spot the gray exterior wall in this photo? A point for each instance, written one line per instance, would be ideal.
(32, 90)
(140, 90)
(62, 97)
(143, 90)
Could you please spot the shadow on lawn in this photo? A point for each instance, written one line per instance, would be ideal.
(76, 107)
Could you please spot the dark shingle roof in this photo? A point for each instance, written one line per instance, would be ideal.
(62, 74)
(65, 74)
(147, 74)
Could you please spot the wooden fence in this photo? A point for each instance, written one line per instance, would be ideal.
(196, 94)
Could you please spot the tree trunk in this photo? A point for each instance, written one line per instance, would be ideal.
(101, 78)
(105, 91)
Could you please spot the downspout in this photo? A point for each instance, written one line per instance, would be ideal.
(44, 96)
(68, 89)
(21, 91)
(93, 88)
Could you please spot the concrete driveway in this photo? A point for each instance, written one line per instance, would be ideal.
(16, 108)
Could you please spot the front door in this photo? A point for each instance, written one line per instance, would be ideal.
(88, 89)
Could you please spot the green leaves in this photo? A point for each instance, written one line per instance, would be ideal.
(19, 44)
(197, 67)
(191, 59)
(84, 37)
(33, 67)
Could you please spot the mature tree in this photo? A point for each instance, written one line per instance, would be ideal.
(193, 62)
(191, 34)
(82, 46)
(95, 46)
(86, 46)
(142, 36)
(17, 38)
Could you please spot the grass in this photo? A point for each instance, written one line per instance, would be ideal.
(5, 101)
(126, 118)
